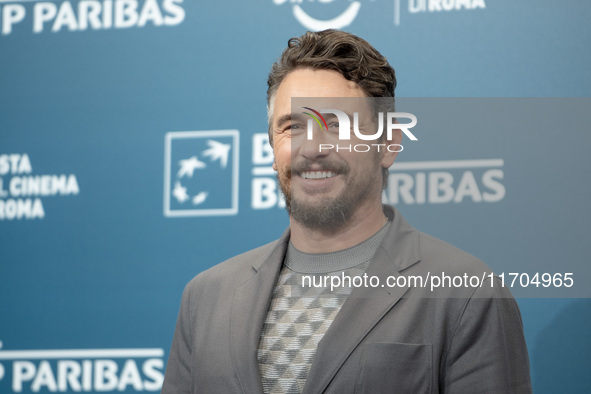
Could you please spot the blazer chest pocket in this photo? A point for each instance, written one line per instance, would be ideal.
(395, 368)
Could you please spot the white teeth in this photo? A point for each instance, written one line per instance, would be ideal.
(317, 174)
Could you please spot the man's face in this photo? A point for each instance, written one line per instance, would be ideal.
(322, 189)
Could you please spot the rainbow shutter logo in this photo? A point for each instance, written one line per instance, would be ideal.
(316, 119)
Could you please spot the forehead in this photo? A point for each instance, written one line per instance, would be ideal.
(313, 83)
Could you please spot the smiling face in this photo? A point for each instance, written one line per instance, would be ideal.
(323, 189)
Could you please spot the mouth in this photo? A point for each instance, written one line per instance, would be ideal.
(317, 174)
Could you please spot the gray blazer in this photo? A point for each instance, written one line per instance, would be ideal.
(383, 340)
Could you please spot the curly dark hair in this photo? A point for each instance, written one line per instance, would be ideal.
(351, 56)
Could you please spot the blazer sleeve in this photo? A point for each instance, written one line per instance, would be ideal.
(177, 379)
(488, 353)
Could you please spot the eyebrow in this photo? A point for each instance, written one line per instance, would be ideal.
(283, 119)
(288, 118)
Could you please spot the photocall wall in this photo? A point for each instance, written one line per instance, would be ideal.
(134, 155)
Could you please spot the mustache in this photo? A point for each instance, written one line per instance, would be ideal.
(322, 164)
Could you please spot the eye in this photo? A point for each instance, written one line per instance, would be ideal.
(294, 128)
(333, 126)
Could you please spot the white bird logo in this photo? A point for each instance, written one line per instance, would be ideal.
(199, 198)
(180, 192)
(218, 151)
(188, 166)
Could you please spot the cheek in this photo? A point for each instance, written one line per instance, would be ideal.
(366, 164)
(282, 161)
(282, 154)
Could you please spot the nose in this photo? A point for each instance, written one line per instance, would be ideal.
(312, 145)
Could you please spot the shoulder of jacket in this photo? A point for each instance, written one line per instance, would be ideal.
(442, 256)
(234, 268)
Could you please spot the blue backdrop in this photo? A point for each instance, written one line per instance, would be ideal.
(133, 156)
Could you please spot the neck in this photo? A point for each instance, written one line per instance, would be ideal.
(367, 220)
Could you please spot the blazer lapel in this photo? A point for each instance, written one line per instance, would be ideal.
(249, 309)
(366, 305)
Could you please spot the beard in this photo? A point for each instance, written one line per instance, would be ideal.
(327, 214)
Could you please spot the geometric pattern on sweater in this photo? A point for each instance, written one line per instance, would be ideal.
(297, 320)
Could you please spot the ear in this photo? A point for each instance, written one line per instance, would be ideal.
(274, 165)
(388, 157)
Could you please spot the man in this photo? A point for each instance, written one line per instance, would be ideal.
(250, 325)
